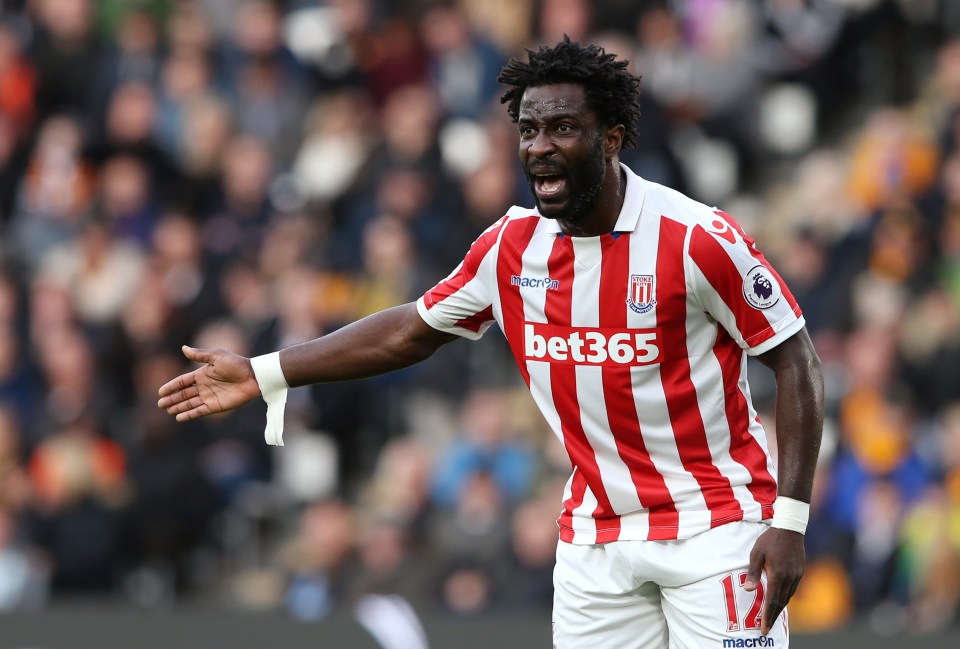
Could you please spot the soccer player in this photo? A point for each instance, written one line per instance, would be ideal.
(630, 310)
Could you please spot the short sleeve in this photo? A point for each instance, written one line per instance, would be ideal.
(735, 284)
(462, 304)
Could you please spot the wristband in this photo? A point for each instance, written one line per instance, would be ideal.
(790, 514)
(273, 388)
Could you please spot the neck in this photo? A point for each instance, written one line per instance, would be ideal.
(607, 210)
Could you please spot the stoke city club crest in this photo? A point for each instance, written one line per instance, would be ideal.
(641, 296)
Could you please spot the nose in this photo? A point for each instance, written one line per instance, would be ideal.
(542, 145)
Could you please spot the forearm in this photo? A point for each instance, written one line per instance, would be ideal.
(385, 341)
(799, 422)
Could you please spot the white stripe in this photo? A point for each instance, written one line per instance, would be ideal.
(756, 430)
(649, 397)
(741, 255)
(584, 527)
(617, 481)
(707, 378)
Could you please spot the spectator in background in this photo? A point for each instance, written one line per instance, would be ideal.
(533, 550)
(207, 129)
(18, 78)
(891, 160)
(336, 147)
(234, 455)
(241, 206)
(67, 55)
(559, 18)
(79, 478)
(99, 272)
(487, 446)
(463, 65)
(54, 195)
(133, 54)
(186, 77)
(319, 560)
(20, 387)
(266, 81)
(22, 580)
(166, 522)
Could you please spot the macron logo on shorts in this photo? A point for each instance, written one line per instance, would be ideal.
(762, 641)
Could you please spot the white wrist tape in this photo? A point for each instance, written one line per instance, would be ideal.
(790, 514)
(273, 388)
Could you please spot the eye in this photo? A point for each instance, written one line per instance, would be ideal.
(564, 128)
(527, 131)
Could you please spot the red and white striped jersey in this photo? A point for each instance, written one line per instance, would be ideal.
(634, 347)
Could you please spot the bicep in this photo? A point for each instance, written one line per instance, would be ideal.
(797, 351)
(421, 335)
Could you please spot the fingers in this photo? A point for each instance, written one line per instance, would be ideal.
(183, 381)
(754, 570)
(779, 592)
(169, 390)
(195, 411)
(181, 401)
(181, 396)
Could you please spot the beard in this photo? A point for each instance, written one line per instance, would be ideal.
(584, 182)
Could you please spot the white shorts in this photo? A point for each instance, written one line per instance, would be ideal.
(684, 594)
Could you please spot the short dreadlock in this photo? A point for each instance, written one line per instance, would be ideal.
(611, 92)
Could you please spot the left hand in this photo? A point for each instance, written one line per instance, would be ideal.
(780, 554)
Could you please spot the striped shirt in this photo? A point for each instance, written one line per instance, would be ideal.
(634, 345)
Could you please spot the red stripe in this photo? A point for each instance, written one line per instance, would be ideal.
(468, 269)
(759, 256)
(681, 395)
(563, 380)
(474, 322)
(618, 396)
(578, 487)
(516, 237)
(726, 280)
(744, 448)
(696, 249)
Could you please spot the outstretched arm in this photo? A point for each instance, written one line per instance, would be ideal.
(385, 341)
(779, 552)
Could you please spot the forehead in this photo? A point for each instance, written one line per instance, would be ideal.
(539, 102)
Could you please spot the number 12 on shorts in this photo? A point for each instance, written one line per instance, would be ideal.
(751, 621)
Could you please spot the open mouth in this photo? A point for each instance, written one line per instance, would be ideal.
(549, 185)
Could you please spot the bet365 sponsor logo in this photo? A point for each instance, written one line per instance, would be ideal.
(604, 346)
(762, 641)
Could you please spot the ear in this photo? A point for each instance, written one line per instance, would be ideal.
(613, 141)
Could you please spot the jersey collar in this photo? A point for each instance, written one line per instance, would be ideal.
(629, 213)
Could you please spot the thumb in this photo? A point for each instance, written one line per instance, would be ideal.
(197, 355)
(754, 570)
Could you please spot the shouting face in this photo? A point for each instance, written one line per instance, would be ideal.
(561, 151)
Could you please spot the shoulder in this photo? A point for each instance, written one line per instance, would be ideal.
(518, 213)
(704, 223)
(668, 202)
(518, 219)
(493, 236)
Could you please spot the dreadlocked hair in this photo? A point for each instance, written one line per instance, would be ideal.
(611, 92)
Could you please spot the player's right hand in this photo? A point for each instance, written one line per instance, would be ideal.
(225, 381)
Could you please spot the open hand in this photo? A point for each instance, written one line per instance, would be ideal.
(780, 554)
(225, 381)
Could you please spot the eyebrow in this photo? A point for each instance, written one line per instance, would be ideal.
(551, 117)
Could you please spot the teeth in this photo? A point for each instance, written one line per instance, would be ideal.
(550, 184)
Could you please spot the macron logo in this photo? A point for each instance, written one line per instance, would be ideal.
(762, 641)
(535, 282)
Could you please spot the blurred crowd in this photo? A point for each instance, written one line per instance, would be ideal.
(251, 174)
